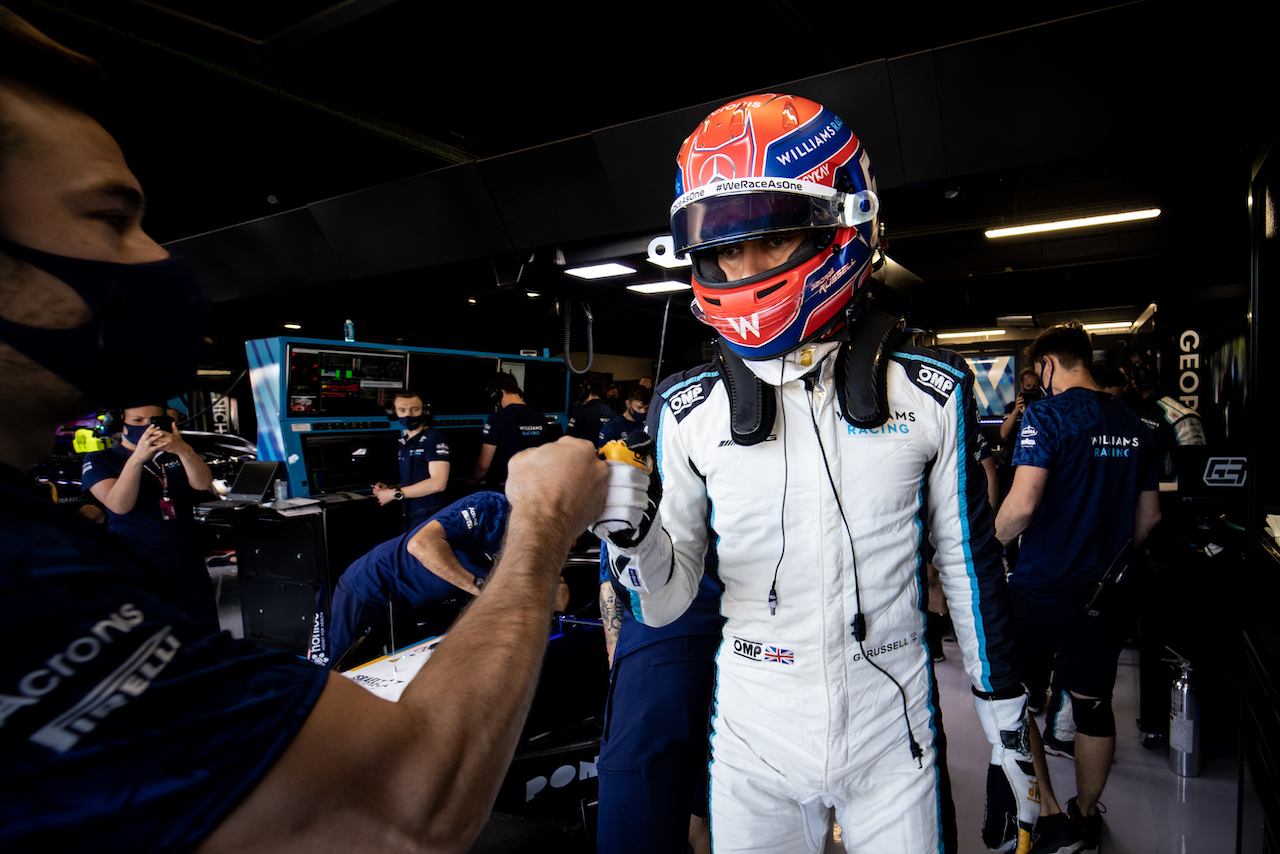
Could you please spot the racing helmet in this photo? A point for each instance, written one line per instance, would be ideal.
(765, 165)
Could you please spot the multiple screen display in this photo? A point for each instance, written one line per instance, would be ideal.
(328, 382)
(334, 382)
(356, 383)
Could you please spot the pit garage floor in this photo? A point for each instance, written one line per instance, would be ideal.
(1150, 810)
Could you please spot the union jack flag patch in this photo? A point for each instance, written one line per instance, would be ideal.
(779, 655)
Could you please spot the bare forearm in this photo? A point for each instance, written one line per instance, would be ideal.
(492, 657)
(1146, 517)
(611, 617)
(1006, 426)
(432, 550)
(483, 461)
(121, 495)
(425, 487)
(1020, 505)
(1010, 523)
(199, 477)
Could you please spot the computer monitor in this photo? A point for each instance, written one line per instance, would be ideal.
(342, 382)
(995, 383)
(349, 462)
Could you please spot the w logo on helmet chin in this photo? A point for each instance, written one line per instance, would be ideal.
(743, 325)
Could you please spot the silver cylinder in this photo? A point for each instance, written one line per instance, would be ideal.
(1184, 724)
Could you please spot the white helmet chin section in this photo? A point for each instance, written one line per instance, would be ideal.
(793, 365)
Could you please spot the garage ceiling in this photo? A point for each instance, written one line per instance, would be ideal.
(430, 151)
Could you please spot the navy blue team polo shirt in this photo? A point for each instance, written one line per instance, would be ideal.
(1100, 457)
(618, 428)
(510, 430)
(417, 453)
(589, 418)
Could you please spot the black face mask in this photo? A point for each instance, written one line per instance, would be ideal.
(143, 339)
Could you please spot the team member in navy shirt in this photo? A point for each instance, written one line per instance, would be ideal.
(451, 552)
(127, 725)
(513, 427)
(149, 481)
(424, 463)
(592, 414)
(1084, 496)
(632, 418)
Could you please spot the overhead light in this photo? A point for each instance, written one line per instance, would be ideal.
(1083, 222)
(659, 287)
(471, 300)
(601, 271)
(977, 333)
(212, 372)
(1016, 320)
(293, 326)
(1119, 324)
(532, 294)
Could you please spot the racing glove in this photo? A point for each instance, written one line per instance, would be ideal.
(1013, 797)
(639, 550)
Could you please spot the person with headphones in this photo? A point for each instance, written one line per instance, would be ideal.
(807, 460)
(514, 426)
(149, 481)
(424, 462)
(593, 413)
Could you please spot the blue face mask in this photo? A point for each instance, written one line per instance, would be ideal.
(411, 422)
(133, 432)
(1047, 386)
(139, 311)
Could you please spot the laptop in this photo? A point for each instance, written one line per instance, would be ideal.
(251, 485)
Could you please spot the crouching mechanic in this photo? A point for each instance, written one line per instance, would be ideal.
(449, 553)
(806, 460)
(127, 725)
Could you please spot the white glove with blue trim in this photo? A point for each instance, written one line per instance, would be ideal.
(639, 550)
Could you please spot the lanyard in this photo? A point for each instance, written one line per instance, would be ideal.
(168, 512)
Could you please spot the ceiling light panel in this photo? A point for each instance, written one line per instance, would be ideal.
(659, 287)
(1082, 222)
(601, 271)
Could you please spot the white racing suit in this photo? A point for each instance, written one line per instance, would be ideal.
(803, 721)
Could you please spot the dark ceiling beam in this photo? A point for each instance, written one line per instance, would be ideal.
(445, 152)
(320, 23)
(1078, 88)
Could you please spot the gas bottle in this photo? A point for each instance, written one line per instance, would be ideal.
(348, 330)
(1184, 721)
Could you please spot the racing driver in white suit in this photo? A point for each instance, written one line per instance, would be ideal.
(811, 460)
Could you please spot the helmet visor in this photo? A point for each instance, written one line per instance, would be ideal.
(713, 215)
